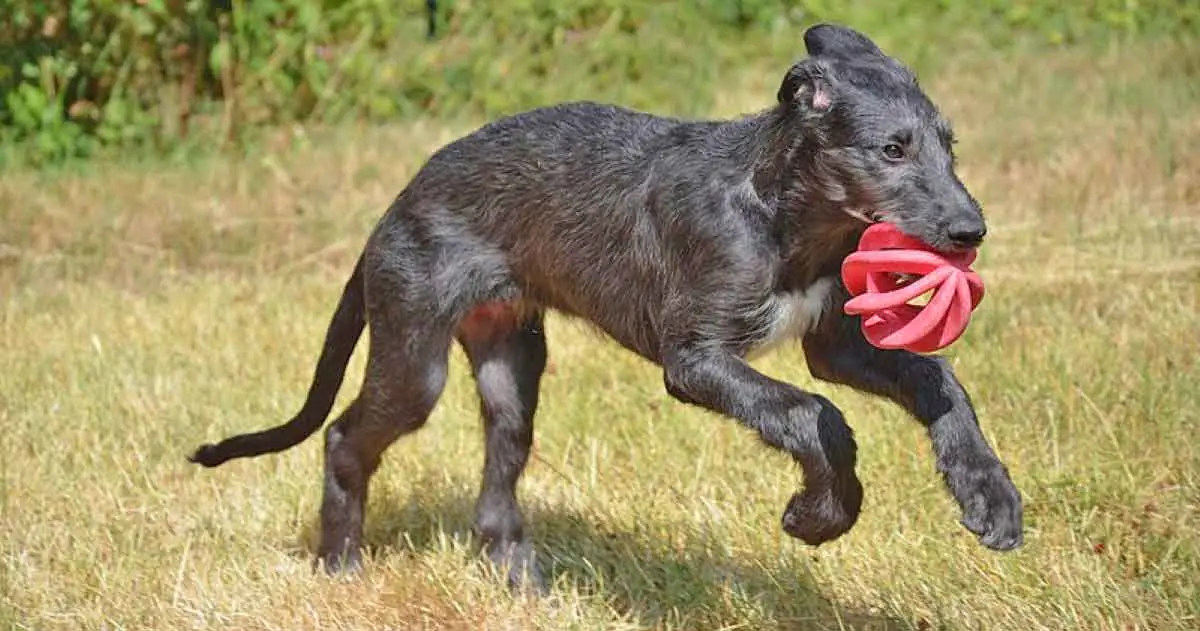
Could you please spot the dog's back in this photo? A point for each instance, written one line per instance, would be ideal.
(579, 206)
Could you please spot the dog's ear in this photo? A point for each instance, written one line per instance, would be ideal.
(809, 86)
(830, 40)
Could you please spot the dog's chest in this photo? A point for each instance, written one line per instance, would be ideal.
(788, 316)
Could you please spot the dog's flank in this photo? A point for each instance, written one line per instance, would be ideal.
(695, 244)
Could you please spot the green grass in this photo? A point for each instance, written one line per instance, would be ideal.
(151, 307)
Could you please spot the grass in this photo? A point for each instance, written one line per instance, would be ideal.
(151, 307)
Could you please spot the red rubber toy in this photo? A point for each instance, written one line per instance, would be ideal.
(873, 276)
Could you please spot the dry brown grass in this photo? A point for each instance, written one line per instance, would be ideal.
(150, 308)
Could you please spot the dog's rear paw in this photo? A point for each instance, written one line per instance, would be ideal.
(345, 565)
(991, 505)
(519, 561)
(818, 516)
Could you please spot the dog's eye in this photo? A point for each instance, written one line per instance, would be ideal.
(893, 152)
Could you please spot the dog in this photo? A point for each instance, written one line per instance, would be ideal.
(695, 244)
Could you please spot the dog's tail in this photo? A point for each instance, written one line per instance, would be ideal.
(344, 331)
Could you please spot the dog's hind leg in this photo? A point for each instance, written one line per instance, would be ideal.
(507, 351)
(406, 372)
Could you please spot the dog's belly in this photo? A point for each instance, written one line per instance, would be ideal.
(789, 316)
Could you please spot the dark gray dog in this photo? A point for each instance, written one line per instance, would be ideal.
(694, 245)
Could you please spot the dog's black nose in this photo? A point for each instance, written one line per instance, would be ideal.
(967, 232)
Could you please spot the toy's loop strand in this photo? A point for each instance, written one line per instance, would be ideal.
(889, 320)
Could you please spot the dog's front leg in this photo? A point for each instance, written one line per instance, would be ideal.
(838, 352)
(805, 425)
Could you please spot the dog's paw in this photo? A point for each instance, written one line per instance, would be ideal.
(344, 565)
(816, 516)
(519, 562)
(990, 503)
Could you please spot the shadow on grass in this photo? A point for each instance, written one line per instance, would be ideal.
(656, 573)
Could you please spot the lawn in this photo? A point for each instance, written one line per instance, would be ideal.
(152, 306)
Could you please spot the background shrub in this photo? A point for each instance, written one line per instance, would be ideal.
(77, 76)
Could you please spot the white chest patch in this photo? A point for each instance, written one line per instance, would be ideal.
(791, 315)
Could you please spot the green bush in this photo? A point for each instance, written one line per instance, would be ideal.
(78, 75)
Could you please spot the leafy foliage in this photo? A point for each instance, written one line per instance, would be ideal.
(78, 75)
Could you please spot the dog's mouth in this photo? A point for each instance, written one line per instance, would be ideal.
(865, 215)
(870, 217)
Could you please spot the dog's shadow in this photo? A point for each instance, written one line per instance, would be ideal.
(653, 577)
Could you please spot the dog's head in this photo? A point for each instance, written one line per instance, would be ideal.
(880, 149)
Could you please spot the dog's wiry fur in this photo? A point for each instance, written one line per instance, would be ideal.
(694, 244)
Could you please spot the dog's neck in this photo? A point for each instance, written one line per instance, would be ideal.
(811, 227)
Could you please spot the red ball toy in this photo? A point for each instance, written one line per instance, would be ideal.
(890, 270)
